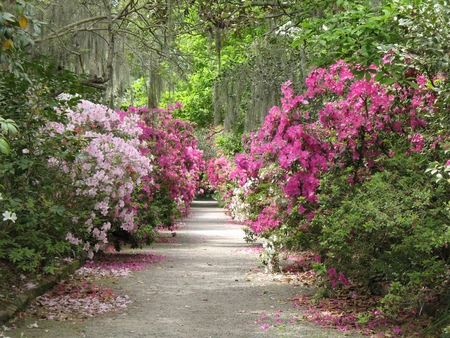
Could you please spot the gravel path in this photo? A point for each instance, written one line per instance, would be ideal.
(206, 287)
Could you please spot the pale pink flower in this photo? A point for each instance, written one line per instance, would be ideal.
(264, 327)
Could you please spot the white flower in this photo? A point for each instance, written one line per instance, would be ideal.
(25, 151)
(7, 215)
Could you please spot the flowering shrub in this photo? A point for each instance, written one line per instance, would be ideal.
(217, 175)
(105, 172)
(137, 176)
(338, 170)
(177, 165)
(82, 175)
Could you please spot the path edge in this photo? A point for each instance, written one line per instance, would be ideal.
(21, 302)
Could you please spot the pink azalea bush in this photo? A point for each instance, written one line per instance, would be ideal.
(348, 131)
(340, 169)
(177, 165)
(129, 171)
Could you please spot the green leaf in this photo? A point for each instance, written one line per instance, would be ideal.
(297, 43)
(4, 146)
(8, 126)
(358, 74)
(8, 16)
(379, 76)
(413, 84)
(387, 80)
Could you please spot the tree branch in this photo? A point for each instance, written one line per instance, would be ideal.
(95, 82)
(67, 29)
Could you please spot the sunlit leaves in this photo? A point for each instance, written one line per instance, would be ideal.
(352, 31)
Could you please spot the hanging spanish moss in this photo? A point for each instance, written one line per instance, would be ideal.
(244, 96)
(230, 93)
(86, 37)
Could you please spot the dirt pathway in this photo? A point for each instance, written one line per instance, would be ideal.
(206, 287)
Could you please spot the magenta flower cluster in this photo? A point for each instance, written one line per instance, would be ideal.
(177, 160)
(348, 131)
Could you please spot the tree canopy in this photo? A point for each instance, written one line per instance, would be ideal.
(225, 59)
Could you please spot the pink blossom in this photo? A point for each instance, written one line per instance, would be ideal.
(301, 209)
(343, 279)
(72, 239)
(122, 152)
(418, 141)
(397, 330)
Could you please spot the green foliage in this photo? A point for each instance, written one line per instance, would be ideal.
(208, 62)
(137, 94)
(8, 128)
(206, 142)
(35, 194)
(392, 228)
(426, 33)
(196, 97)
(229, 144)
(18, 27)
(194, 88)
(350, 30)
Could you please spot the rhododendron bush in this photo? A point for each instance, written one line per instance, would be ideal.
(340, 169)
(105, 172)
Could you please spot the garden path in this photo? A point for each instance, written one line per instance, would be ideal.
(207, 286)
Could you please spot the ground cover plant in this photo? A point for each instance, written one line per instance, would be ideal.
(342, 170)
